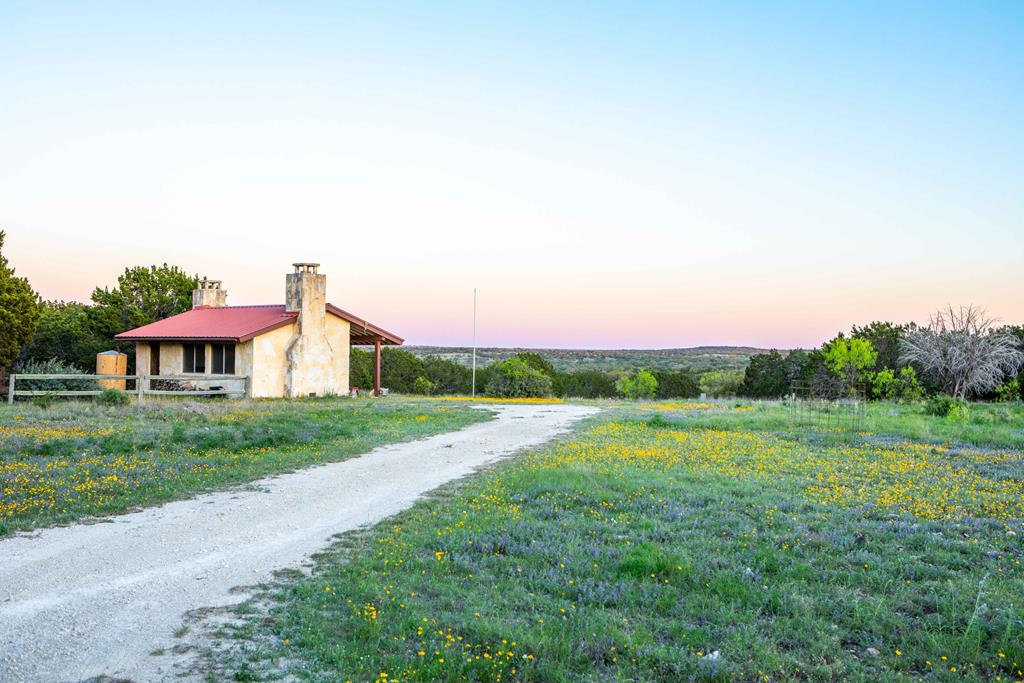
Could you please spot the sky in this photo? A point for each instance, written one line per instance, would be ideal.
(607, 175)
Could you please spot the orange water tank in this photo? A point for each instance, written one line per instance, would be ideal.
(111, 363)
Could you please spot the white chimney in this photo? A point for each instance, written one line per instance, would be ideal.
(209, 295)
(310, 357)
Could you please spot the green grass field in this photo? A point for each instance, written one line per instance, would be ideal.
(78, 459)
(679, 541)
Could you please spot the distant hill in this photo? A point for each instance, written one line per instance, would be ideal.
(697, 359)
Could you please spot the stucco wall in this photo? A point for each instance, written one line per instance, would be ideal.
(170, 358)
(243, 361)
(338, 332)
(142, 358)
(269, 362)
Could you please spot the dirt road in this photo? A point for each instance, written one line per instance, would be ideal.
(91, 599)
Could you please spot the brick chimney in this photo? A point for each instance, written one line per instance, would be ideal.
(310, 356)
(209, 295)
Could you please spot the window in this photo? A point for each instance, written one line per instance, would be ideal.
(223, 362)
(154, 358)
(194, 359)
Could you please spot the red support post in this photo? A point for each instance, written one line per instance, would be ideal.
(376, 368)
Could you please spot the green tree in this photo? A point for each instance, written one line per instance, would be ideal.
(589, 384)
(641, 384)
(722, 383)
(515, 378)
(849, 358)
(143, 295)
(766, 376)
(19, 310)
(537, 362)
(885, 338)
(65, 333)
(447, 376)
(398, 370)
(679, 384)
(360, 369)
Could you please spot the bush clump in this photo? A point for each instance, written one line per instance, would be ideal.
(52, 366)
(944, 405)
(113, 397)
(44, 401)
(422, 385)
(516, 378)
(939, 405)
(642, 384)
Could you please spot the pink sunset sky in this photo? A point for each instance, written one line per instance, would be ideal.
(668, 178)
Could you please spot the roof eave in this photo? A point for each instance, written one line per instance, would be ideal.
(372, 330)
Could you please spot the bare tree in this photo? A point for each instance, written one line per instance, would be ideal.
(963, 349)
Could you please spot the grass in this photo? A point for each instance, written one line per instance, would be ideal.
(989, 425)
(76, 460)
(704, 544)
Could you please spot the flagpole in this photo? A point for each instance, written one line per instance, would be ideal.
(474, 342)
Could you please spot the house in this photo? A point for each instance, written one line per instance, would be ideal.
(298, 348)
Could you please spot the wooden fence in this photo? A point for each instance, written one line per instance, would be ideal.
(141, 390)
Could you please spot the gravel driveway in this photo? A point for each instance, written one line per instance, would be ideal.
(92, 599)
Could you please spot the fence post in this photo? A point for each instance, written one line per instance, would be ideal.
(140, 386)
(10, 388)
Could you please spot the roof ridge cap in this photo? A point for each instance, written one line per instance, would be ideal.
(250, 306)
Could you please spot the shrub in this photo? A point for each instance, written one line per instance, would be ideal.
(422, 385)
(939, 405)
(642, 384)
(515, 378)
(888, 386)
(958, 412)
(113, 397)
(44, 401)
(50, 367)
(1008, 391)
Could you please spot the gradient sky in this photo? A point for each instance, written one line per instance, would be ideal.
(608, 175)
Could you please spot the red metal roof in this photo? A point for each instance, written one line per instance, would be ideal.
(242, 323)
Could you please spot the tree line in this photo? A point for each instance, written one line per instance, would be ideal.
(65, 336)
(524, 374)
(960, 352)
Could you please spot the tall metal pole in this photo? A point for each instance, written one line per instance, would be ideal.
(474, 342)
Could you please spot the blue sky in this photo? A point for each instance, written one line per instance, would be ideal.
(607, 174)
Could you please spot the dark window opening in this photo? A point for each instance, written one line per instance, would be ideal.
(223, 361)
(194, 359)
(154, 358)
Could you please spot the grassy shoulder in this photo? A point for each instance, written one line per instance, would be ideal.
(643, 550)
(76, 460)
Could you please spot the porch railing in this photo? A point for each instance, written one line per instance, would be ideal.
(141, 390)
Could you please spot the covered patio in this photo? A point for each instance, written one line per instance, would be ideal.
(363, 333)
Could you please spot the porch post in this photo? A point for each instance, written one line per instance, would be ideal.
(376, 368)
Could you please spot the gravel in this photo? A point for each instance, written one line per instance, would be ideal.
(99, 599)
